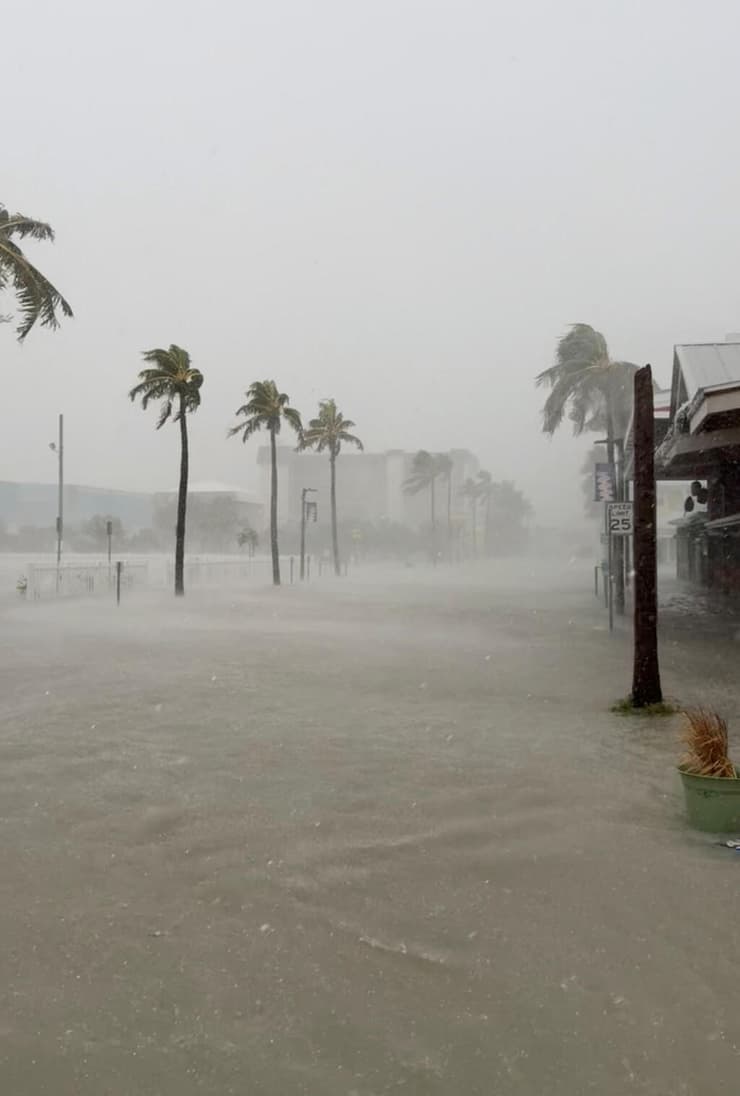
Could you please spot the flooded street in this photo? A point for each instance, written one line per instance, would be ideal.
(354, 839)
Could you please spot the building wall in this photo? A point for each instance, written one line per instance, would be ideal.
(369, 485)
(35, 504)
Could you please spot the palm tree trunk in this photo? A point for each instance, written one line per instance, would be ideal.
(182, 504)
(449, 515)
(487, 534)
(473, 508)
(432, 493)
(274, 510)
(646, 673)
(334, 537)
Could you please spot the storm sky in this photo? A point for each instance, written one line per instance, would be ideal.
(399, 203)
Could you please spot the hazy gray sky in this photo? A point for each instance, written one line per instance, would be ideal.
(398, 203)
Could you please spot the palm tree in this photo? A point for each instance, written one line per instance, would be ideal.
(445, 468)
(174, 381)
(485, 490)
(424, 473)
(328, 431)
(470, 490)
(37, 298)
(597, 394)
(595, 390)
(266, 408)
(249, 537)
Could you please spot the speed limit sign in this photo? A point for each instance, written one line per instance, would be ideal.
(620, 519)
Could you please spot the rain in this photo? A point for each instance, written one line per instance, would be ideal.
(369, 549)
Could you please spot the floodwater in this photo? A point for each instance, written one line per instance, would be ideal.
(378, 836)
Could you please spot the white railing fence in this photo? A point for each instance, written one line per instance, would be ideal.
(227, 572)
(82, 580)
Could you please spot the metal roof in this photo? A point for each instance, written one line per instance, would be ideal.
(706, 365)
(662, 402)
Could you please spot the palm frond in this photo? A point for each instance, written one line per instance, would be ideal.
(293, 419)
(423, 472)
(170, 378)
(349, 439)
(266, 408)
(38, 300)
(17, 224)
(328, 430)
(165, 413)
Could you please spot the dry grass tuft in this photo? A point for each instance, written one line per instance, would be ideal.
(705, 735)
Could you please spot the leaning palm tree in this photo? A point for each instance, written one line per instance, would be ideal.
(172, 379)
(586, 383)
(424, 473)
(266, 408)
(329, 431)
(596, 392)
(37, 298)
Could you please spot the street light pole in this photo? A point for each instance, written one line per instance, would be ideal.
(304, 506)
(58, 448)
(60, 506)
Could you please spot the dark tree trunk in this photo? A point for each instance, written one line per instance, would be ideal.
(473, 509)
(334, 536)
(274, 510)
(182, 505)
(432, 493)
(646, 674)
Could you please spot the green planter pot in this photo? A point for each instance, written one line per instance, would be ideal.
(712, 802)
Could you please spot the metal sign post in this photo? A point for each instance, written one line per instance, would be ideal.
(619, 523)
(610, 596)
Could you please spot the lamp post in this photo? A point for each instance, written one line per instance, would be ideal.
(305, 505)
(58, 448)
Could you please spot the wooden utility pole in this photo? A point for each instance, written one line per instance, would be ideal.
(646, 673)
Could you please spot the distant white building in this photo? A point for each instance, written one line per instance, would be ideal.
(369, 485)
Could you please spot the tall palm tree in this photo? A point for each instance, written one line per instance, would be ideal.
(329, 431)
(445, 467)
(173, 380)
(267, 408)
(485, 491)
(37, 298)
(424, 473)
(470, 490)
(596, 391)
